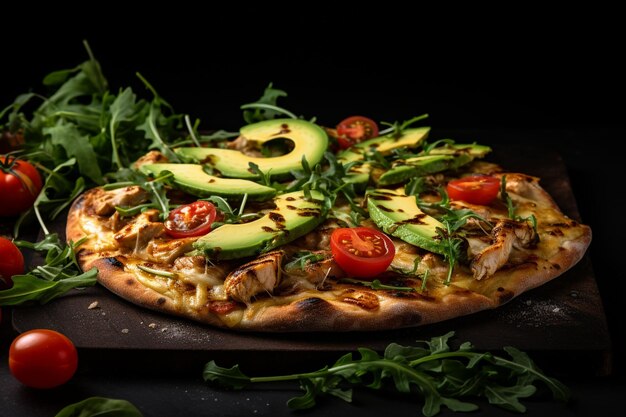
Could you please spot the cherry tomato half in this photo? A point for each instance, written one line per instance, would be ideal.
(42, 358)
(193, 219)
(21, 181)
(362, 252)
(475, 189)
(11, 262)
(355, 129)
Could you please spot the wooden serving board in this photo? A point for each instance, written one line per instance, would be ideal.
(558, 323)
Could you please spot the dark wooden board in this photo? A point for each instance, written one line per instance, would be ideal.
(560, 322)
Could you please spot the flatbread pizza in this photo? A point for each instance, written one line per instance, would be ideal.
(278, 231)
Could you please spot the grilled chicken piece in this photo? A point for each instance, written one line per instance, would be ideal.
(152, 157)
(138, 234)
(197, 269)
(261, 275)
(105, 202)
(315, 272)
(166, 251)
(505, 235)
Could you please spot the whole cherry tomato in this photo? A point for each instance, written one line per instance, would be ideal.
(20, 183)
(11, 262)
(42, 358)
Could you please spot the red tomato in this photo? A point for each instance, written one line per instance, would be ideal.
(362, 252)
(42, 358)
(193, 219)
(20, 183)
(355, 129)
(475, 189)
(11, 262)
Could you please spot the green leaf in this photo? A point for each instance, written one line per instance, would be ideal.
(559, 390)
(100, 407)
(307, 400)
(459, 406)
(408, 353)
(25, 288)
(268, 110)
(59, 77)
(123, 109)
(439, 344)
(508, 397)
(77, 145)
(31, 288)
(226, 377)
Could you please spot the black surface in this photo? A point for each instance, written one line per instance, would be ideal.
(521, 76)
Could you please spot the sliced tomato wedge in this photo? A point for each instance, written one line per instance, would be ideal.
(475, 189)
(355, 129)
(362, 252)
(190, 220)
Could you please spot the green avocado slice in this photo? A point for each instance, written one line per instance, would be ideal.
(192, 179)
(398, 215)
(437, 160)
(360, 174)
(309, 141)
(294, 216)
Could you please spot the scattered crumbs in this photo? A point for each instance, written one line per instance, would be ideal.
(125, 331)
(202, 398)
(556, 310)
(93, 305)
(267, 404)
(247, 399)
(528, 302)
(164, 329)
(141, 322)
(215, 399)
(152, 325)
(255, 411)
(574, 294)
(104, 314)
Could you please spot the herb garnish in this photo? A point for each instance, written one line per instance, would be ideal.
(438, 374)
(504, 196)
(303, 258)
(58, 275)
(396, 128)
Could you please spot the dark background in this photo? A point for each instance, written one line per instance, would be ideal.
(552, 81)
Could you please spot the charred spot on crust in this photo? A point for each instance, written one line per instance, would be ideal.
(504, 295)
(556, 266)
(112, 261)
(130, 281)
(160, 301)
(310, 303)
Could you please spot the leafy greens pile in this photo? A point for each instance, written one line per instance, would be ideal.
(80, 136)
(439, 375)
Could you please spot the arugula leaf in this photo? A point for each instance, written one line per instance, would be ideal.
(302, 258)
(265, 108)
(60, 274)
(396, 129)
(101, 407)
(76, 145)
(440, 375)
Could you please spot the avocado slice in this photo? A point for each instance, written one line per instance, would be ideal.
(385, 144)
(437, 160)
(309, 140)
(360, 174)
(397, 214)
(293, 217)
(192, 179)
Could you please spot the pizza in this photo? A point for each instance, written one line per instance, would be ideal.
(280, 231)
